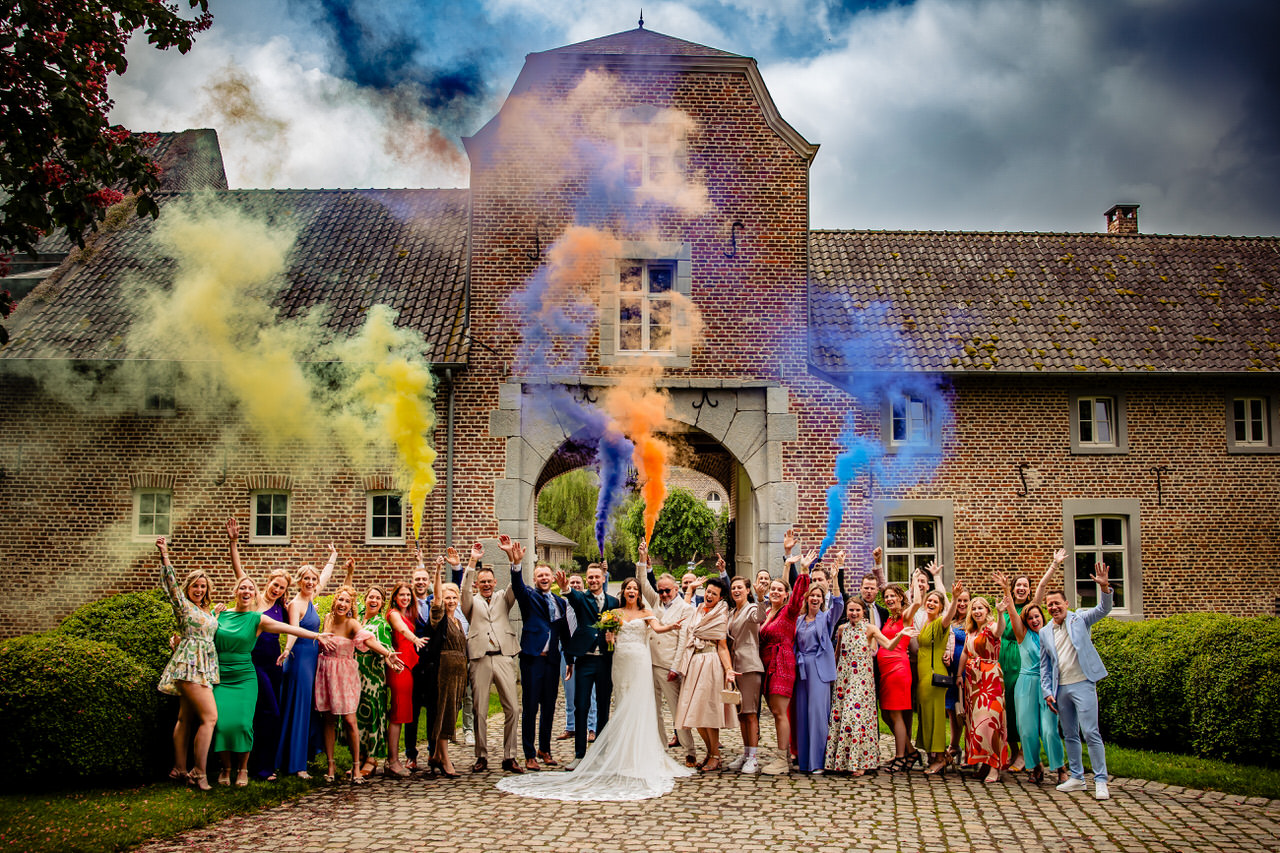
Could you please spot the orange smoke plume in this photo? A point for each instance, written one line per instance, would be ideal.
(639, 410)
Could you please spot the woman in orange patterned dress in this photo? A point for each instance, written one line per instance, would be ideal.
(987, 737)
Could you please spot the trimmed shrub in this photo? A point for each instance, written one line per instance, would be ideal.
(1204, 684)
(139, 623)
(73, 710)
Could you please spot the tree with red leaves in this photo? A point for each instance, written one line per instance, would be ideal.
(61, 163)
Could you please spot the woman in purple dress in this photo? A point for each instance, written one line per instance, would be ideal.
(815, 670)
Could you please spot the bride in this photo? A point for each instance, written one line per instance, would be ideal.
(628, 760)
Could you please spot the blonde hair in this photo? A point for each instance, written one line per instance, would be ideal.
(350, 591)
(448, 587)
(302, 570)
(280, 573)
(192, 577)
(969, 625)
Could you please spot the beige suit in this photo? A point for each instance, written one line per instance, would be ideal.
(662, 649)
(491, 647)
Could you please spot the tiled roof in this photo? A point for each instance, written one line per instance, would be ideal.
(543, 535)
(406, 249)
(1066, 303)
(640, 42)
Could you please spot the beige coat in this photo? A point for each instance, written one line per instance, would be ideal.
(744, 637)
(663, 647)
(488, 620)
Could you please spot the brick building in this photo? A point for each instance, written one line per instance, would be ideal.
(1115, 392)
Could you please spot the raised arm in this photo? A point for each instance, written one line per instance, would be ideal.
(789, 541)
(233, 543)
(349, 572)
(1059, 557)
(796, 601)
(468, 581)
(949, 614)
(327, 571)
(722, 569)
(646, 577)
(1001, 580)
(877, 569)
(437, 596)
(167, 575)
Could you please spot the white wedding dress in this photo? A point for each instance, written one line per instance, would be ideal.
(628, 761)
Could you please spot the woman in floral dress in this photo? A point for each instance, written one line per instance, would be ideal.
(986, 741)
(192, 671)
(853, 742)
(371, 716)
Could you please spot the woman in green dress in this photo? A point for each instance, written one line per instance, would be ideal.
(931, 697)
(236, 693)
(371, 716)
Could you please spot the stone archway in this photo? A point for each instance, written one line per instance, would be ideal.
(747, 421)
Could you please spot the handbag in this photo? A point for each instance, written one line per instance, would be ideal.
(731, 697)
(938, 679)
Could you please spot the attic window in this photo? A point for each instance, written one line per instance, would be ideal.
(1099, 423)
(1251, 423)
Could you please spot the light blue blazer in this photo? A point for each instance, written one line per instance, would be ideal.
(1077, 623)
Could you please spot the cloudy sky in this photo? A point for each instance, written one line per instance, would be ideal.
(1008, 115)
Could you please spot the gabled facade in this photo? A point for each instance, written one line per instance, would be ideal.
(639, 203)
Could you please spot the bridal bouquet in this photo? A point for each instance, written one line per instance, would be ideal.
(610, 620)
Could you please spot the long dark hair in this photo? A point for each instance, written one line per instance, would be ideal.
(412, 616)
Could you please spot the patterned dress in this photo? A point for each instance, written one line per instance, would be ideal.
(986, 737)
(853, 741)
(371, 716)
(195, 659)
(777, 643)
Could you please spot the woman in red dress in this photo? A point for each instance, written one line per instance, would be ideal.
(777, 653)
(987, 738)
(401, 617)
(895, 680)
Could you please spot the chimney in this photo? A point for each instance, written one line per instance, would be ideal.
(1122, 219)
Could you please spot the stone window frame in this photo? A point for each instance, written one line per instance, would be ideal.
(254, 537)
(138, 494)
(932, 442)
(1130, 509)
(1119, 424)
(674, 150)
(1271, 413)
(939, 509)
(369, 515)
(679, 253)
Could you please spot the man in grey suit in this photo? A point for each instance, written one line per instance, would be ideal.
(1070, 670)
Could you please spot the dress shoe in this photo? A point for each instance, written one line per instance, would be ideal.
(674, 742)
(591, 737)
(531, 765)
(481, 765)
(547, 759)
(565, 736)
(691, 761)
(510, 765)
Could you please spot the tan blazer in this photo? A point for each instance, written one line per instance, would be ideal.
(744, 637)
(488, 619)
(663, 647)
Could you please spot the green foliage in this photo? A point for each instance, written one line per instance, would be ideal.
(74, 709)
(139, 623)
(568, 506)
(1203, 683)
(685, 527)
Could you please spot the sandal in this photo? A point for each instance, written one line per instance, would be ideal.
(242, 779)
(199, 780)
(1037, 773)
(224, 777)
(711, 765)
(356, 777)
(179, 776)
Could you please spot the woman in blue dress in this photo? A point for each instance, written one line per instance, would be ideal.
(299, 660)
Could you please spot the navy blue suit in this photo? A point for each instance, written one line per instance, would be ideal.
(544, 625)
(591, 670)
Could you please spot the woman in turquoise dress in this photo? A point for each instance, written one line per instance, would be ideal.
(1036, 723)
(299, 660)
(236, 693)
(192, 671)
(371, 716)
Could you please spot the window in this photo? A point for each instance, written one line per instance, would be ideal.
(1249, 424)
(385, 518)
(1098, 424)
(651, 153)
(152, 513)
(157, 392)
(270, 518)
(714, 502)
(644, 306)
(909, 543)
(1107, 532)
(909, 423)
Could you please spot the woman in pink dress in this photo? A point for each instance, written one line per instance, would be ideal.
(337, 692)
(987, 739)
(777, 653)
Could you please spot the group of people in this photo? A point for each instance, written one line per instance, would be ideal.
(988, 681)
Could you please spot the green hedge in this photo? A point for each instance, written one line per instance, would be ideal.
(73, 710)
(1203, 684)
(139, 623)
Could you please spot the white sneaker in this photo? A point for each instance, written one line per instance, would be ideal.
(737, 763)
(751, 766)
(777, 766)
(1100, 792)
(1072, 785)
(470, 738)
(573, 765)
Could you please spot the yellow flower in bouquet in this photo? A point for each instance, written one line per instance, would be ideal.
(610, 620)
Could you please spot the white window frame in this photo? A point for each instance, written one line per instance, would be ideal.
(714, 501)
(139, 498)
(1128, 512)
(1266, 443)
(928, 439)
(648, 299)
(258, 539)
(941, 512)
(678, 254)
(369, 515)
(1117, 423)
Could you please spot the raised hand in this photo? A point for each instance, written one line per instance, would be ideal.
(789, 540)
(439, 566)
(1101, 576)
(838, 562)
(720, 564)
(417, 552)
(451, 554)
(517, 554)
(507, 547)
(643, 551)
(233, 529)
(162, 545)
(876, 554)
(809, 559)
(477, 551)
(333, 552)
(933, 570)
(1059, 556)
(562, 581)
(956, 589)
(1001, 580)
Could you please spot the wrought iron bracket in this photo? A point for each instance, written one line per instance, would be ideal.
(536, 254)
(1022, 475)
(733, 238)
(706, 401)
(584, 396)
(1159, 471)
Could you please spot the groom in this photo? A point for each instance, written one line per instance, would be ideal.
(588, 656)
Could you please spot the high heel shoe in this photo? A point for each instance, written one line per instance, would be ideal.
(199, 780)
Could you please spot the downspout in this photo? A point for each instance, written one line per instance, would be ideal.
(448, 461)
